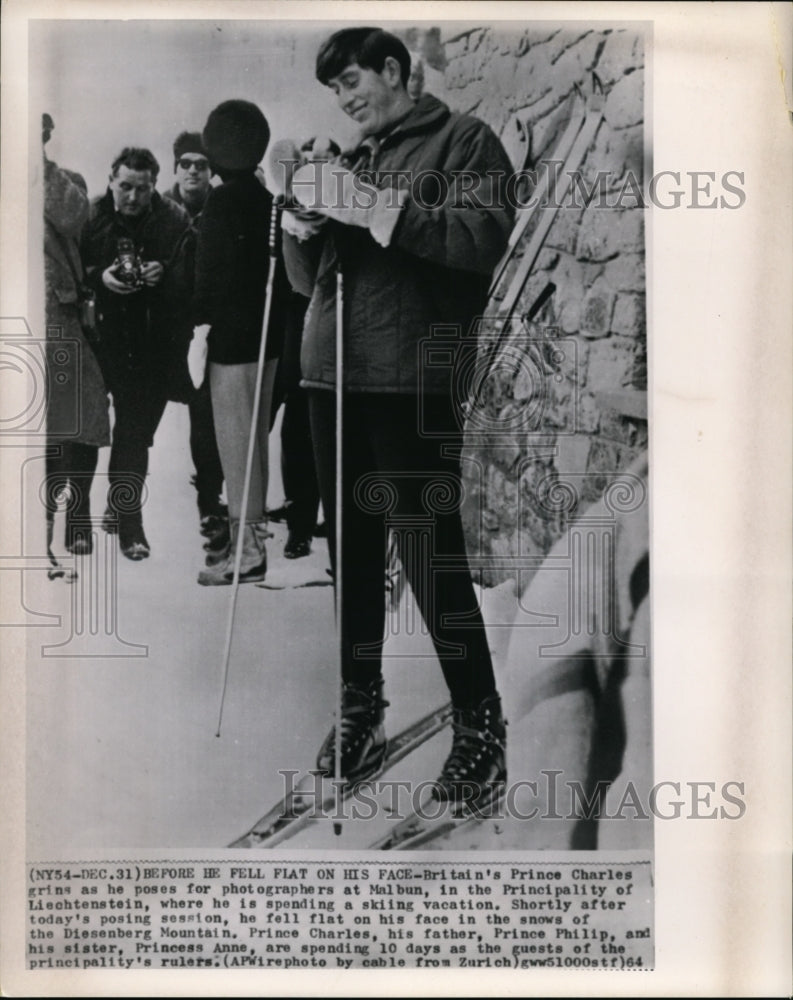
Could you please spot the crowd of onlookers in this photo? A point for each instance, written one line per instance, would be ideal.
(164, 294)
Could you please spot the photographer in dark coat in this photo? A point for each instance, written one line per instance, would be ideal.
(138, 252)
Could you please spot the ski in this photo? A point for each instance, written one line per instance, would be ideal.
(553, 188)
(312, 796)
(526, 213)
(417, 829)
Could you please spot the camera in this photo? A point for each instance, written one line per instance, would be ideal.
(128, 263)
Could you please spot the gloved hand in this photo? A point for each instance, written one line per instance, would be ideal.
(197, 355)
(338, 193)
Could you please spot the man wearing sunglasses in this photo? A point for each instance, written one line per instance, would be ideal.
(191, 190)
(193, 175)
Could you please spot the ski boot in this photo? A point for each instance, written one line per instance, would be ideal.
(253, 566)
(218, 542)
(475, 771)
(132, 540)
(363, 742)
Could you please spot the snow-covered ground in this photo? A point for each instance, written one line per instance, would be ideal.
(122, 749)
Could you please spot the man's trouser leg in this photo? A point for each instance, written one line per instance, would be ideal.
(139, 406)
(298, 470)
(204, 451)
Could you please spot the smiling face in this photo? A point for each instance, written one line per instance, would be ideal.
(132, 190)
(371, 99)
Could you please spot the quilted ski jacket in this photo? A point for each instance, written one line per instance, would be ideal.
(435, 271)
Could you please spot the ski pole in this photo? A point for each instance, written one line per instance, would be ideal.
(338, 541)
(246, 484)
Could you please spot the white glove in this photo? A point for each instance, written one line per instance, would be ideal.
(197, 355)
(340, 194)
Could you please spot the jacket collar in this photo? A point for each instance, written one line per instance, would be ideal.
(427, 112)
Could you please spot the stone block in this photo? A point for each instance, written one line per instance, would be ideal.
(501, 77)
(606, 232)
(453, 33)
(616, 161)
(455, 75)
(573, 64)
(494, 111)
(587, 415)
(626, 273)
(616, 427)
(629, 319)
(625, 102)
(538, 35)
(572, 453)
(456, 48)
(623, 52)
(569, 296)
(564, 40)
(597, 310)
(471, 64)
(563, 234)
(503, 40)
(611, 363)
(533, 77)
(574, 361)
(570, 314)
(523, 45)
(606, 460)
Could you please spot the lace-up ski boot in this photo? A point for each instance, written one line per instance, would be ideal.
(475, 771)
(253, 566)
(363, 742)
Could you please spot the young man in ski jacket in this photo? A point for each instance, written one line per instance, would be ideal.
(144, 289)
(416, 222)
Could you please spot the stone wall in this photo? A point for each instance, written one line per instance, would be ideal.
(569, 412)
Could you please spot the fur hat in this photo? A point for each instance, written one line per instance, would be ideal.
(187, 142)
(236, 136)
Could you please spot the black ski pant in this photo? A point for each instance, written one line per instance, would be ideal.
(298, 471)
(396, 478)
(204, 450)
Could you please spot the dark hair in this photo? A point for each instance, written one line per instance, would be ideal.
(308, 146)
(134, 158)
(187, 142)
(368, 47)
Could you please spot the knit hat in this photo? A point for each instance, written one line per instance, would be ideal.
(187, 142)
(236, 136)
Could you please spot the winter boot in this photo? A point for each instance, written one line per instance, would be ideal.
(363, 742)
(475, 771)
(79, 533)
(253, 566)
(218, 543)
(131, 538)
